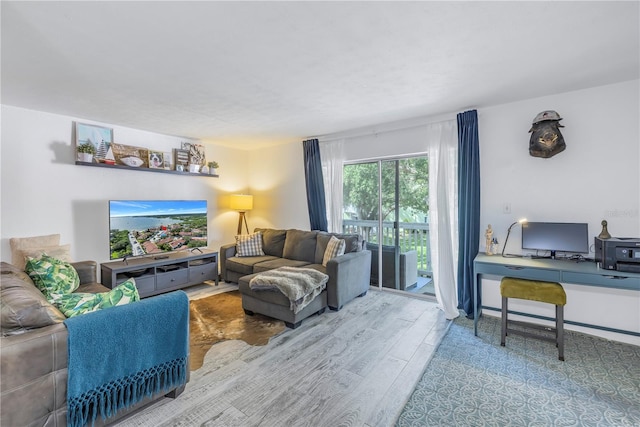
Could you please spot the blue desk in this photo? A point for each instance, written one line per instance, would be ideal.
(550, 270)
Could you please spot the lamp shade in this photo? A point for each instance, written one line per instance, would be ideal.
(242, 202)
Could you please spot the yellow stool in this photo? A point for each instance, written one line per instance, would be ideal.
(534, 290)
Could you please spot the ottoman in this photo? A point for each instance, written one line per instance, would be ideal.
(273, 303)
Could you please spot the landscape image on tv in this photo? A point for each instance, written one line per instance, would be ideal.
(146, 227)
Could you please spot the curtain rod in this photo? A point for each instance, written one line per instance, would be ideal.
(373, 131)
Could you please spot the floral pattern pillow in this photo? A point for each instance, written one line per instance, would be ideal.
(52, 276)
(78, 303)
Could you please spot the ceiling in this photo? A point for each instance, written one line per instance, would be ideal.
(250, 74)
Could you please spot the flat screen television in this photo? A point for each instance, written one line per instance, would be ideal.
(556, 237)
(152, 227)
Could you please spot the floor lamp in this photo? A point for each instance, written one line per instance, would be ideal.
(242, 203)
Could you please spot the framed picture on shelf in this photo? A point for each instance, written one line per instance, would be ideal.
(196, 153)
(128, 155)
(98, 136)
(181, 159)
(156, 159)
(168, 161)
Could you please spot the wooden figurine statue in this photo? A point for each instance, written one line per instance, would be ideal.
(488, 234)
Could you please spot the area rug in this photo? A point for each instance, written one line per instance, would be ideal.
(473, 381)
(221, 317)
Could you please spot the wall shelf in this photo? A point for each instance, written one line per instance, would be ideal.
(174, 172)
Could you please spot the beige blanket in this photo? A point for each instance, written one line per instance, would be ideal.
(299, 285)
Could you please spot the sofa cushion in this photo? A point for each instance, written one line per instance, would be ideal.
(53, 276)
(335, 248)
(244, 265)
(62, 252)
(353, 243)
(22, 305)
(276, 263)
(80, 303)
(249, 245)
(19, 244)
(300, 245)
(272, 241)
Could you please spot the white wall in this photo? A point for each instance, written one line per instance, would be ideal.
(276, 178)
(597, 177)
(44, 192)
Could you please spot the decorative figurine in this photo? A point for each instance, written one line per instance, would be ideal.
(488, 234)
(546, 140)
(604, 234)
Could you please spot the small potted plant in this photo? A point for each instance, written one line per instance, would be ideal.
(212, 167)
(86, 151)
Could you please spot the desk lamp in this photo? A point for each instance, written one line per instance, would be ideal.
(242, 203)
(520, 221)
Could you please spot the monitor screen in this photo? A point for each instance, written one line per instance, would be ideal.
(556, 236)
(145, 227)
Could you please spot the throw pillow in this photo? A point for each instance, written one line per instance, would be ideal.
(62, 252)
(22, 305)
(249, 245)
(19, 244)
(80, 303)
(335, 248)
(52, 276)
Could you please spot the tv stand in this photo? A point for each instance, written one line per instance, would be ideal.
(162, 273)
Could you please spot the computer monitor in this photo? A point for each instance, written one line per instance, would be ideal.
(556, 237)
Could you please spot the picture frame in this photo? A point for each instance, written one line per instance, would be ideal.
(181, 158)
(168, 161)
(196, 153)
(156, 159)
(99, 136)
(131, 156)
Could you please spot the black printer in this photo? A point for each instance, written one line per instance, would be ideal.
(618, 253)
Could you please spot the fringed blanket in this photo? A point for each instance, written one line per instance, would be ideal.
(299, 285)
(120, 355)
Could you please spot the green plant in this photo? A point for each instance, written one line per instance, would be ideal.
(87, 147)
(213, 165)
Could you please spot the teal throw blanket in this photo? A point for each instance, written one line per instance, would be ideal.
(120, 355)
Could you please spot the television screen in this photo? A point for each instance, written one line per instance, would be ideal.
(556, 236)
(145, 227)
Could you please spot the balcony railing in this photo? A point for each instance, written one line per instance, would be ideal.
(413, 236)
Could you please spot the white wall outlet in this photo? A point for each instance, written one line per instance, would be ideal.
(506, 208)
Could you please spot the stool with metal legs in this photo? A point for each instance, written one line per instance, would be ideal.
(534, 290)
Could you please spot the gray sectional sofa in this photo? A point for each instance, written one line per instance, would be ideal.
(349, 274)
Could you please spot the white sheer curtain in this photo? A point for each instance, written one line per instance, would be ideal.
(442, 149)
(332, 155)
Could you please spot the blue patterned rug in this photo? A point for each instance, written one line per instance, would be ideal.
(473, 381)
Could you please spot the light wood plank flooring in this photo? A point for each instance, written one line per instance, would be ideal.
(354, 367)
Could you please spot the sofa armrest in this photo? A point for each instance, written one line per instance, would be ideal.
(349, 277)
(33, 377)
(87, 270)
(226, 252)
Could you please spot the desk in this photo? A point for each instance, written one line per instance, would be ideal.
(550, 270)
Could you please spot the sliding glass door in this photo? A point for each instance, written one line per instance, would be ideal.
(387, 202)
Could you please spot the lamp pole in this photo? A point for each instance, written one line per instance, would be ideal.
(520, 221)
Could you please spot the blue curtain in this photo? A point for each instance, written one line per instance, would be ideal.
(468, 207)
(315, 185)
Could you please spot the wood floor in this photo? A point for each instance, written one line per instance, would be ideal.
(354, 367)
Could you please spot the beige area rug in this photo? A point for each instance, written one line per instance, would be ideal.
(221, 317)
